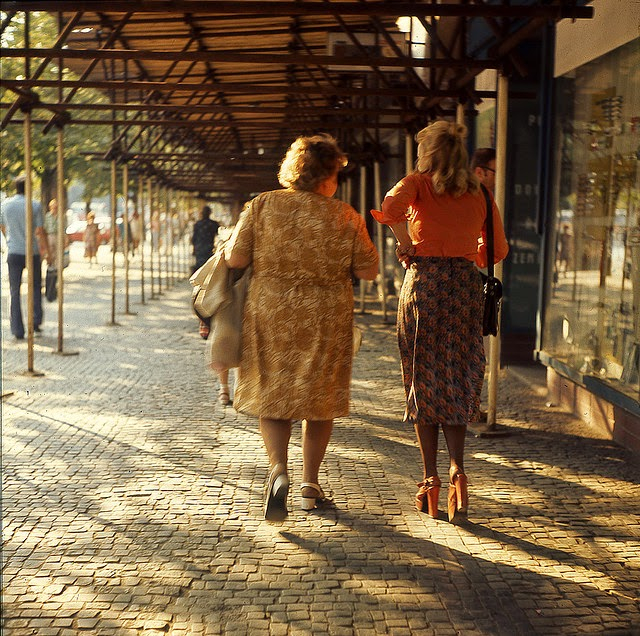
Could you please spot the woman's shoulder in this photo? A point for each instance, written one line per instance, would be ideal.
(418, 181)
(418, 178)
(347, 212)
(269, 197)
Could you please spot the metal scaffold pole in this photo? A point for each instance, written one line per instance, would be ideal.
(380, 227)
(408, 153)
(152, 241)
(501, 171)
(114, 239)
(60, 242)
(363, 212)
(158, 241)
(29, 235)
(126, 236)
(143, 234)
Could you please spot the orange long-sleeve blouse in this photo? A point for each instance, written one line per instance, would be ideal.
(442, 225)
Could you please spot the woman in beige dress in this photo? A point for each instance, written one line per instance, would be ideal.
(91, 238)
(297, 334)
(51, 228)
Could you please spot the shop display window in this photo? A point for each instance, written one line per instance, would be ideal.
(591, 318)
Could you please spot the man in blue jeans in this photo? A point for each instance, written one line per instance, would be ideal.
(13, 224)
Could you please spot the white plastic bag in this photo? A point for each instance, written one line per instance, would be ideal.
(225, 336)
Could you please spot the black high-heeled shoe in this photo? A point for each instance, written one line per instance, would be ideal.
(275, 504)
(458, 503)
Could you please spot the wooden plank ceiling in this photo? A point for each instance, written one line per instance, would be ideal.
(206, 95)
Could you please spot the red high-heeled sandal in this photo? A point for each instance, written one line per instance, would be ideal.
(427, 496)
(458, 501)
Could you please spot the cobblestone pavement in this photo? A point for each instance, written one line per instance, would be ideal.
(132, 501)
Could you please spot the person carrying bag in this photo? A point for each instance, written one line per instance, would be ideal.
(218, 298)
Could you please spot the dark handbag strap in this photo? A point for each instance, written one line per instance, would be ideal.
(489, 223)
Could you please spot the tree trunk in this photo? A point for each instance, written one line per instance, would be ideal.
(49, 189)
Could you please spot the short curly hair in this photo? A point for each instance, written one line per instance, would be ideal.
(309, 161)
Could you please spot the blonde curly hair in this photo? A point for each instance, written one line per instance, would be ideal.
(442, 153)
(309, 161)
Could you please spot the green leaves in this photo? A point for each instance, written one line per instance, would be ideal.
(78, 139)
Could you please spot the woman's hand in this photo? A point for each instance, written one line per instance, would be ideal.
(404, 253)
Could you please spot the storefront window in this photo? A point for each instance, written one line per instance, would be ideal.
(592, 312)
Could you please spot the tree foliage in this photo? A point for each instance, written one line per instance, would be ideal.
(77, 139)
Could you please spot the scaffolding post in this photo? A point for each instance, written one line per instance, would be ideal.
(114, 240)
(381, 242)
(126, 237)
(29, 235)
(60, 242)
(363, 202)
(143, 233)
(152, 241)
(501, 171)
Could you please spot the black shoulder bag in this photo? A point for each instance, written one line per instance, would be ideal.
(492, 286)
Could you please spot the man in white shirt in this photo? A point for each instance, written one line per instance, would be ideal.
(13, 225)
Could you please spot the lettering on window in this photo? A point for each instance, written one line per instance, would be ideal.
(526, 189)
(525, 257)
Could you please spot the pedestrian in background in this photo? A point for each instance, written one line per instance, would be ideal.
(203, 240)
(91, 238)
(483, 165)
(437, 215)
(51, 227)
(135, 231)
(205, 231)
(204, 235)
(297, 332)
(13, 225)
(154, 226)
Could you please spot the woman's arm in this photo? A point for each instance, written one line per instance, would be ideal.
(401, 233)
(404, 246)
(238, 248)
(237, 260)
(368, 273)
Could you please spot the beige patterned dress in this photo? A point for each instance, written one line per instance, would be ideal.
(298, 317)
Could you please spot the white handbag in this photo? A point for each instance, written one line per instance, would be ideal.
(225, 337)
(357, 339)
(210, 286)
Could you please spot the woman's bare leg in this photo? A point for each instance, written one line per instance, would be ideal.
(458, 499)
(276, 435)
(455, 436)
(315, 439)
(428, 440)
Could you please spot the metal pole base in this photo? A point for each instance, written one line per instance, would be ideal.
(66, 352)
(113, 324)
(33, 373)
(479, 429)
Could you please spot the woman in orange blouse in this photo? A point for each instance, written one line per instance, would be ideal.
(438, 217)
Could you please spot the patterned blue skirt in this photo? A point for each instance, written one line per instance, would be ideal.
(440, 339)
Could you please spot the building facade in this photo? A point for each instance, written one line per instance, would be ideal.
(589, 331)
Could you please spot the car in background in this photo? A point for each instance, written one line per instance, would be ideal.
(75, 229)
